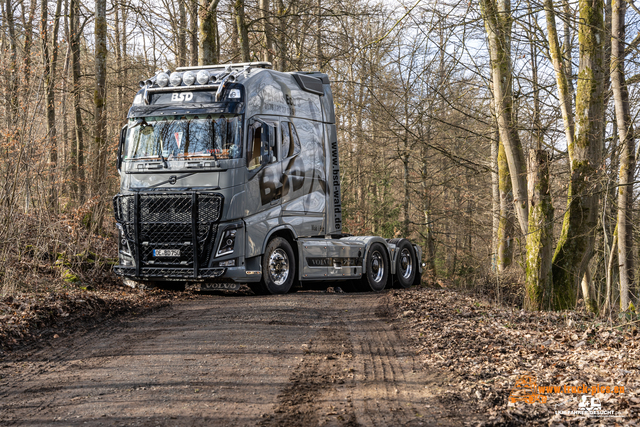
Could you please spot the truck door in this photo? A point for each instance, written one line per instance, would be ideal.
(264, 183)
(293, 170)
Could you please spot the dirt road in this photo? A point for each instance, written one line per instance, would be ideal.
(309, 358)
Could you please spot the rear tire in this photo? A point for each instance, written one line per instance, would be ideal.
(377, 265)
(278, 267)
(406, 265)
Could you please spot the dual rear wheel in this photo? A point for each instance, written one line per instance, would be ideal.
(378, 269)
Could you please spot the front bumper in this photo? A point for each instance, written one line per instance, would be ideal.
(168, 273)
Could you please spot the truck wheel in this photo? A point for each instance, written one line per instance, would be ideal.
(406, 265)
(377, 264)
(278, 266)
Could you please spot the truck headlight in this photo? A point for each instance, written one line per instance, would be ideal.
(227, 242)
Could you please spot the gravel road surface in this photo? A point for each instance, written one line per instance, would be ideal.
(302, 359)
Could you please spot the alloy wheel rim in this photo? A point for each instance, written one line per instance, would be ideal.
(377, 266)
(279, 266)
(406, 263)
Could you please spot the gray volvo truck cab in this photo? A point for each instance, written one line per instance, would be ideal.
(230, 174)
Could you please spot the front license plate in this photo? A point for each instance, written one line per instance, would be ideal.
(166, 252)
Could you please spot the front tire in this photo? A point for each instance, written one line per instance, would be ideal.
(278, 267)
(377, 264)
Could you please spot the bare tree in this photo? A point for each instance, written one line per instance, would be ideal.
(627, 151)
(265, 15)
(575, 245)
(100, 97)
(497, 19)
(243, 30)
(209, 47)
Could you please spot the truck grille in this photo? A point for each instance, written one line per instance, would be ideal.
(184, 222)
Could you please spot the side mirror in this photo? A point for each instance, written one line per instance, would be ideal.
(123, 136)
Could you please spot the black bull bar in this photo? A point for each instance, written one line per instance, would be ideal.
(170, 235)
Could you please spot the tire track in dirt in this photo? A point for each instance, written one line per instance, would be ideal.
(360, 371)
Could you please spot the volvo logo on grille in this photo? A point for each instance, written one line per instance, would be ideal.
(173, 179)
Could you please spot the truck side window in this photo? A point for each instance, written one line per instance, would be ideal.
(286, 140)
(295, 146)
(254, 146)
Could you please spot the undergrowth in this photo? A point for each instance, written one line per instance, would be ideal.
(43, 252)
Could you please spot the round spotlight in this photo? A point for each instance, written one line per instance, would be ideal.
(203, 77)
(162, 79)
(189, 78)
(175, 79)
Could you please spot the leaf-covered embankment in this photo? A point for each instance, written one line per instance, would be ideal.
(489, 347)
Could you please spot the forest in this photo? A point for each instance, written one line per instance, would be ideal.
(497, 135)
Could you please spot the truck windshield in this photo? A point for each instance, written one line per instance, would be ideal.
(184, 136)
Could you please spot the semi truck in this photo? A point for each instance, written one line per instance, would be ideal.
(230, 175)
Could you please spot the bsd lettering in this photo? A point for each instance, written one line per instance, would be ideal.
(181, 97)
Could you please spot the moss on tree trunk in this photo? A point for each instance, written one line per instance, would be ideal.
(575, 246)
(538, 263)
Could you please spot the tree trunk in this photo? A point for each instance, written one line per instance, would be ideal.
(193, 32)
(243, 31)
(50, 59)
(117, 36)
(282, 38)
(567, 46)
(11, 94)
(265, 14)
(559, 65)
(182, 34)
(495, 201)
(505, 224)
(575, 246)
(611, 270)
(405, 173)
(99, 175)
(208, 50)
(627, 150)
(497, 19)
(540, 239)
(28, 42)
(65, 92)
(77, 154)
(428, 231)
(319, 54)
